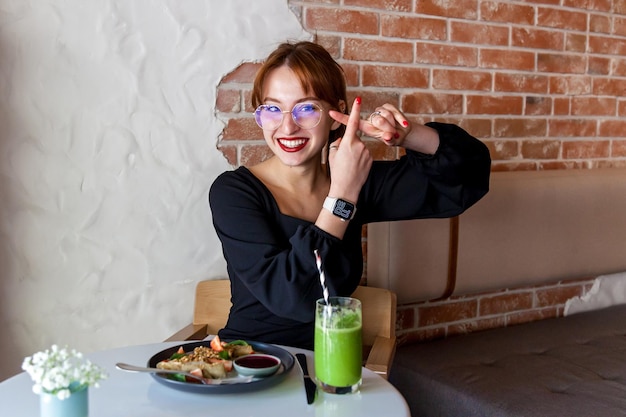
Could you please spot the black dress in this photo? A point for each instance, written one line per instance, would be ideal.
(271, 265)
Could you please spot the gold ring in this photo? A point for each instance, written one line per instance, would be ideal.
(376, 113)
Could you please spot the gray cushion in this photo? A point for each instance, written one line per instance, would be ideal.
(571, 366)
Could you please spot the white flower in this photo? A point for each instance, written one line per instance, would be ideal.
(61, 371)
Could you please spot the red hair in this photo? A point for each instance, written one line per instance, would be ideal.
(317, 71)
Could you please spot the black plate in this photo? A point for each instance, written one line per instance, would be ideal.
(286, 358)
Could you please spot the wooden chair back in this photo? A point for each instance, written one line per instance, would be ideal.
(379, 313)
(212, 304)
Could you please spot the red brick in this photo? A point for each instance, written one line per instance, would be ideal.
(479, 33)
(331, 43)
(541, 149)
(513, 166)
(575, 42)
(557, 295)
(494, 104)
(253, 154)
(411, 27)
(574, 64)
(536, 105)
(619, 67)
(521, 83)
(427, 103)
(571, 128)
(504, 59)
(570, 85)
(228, 101)
(247, 101)
(394, 5)
(609, 87)
(451, 55)
(475, 326)
(561, 106)
(380, 151)
(544, 2)
(242, 129)
(341, 20)
(375, 50)
(519, 128)
(395, 76)
(599, 65)
(372, 99)
(505, 303)
(619, 25)
(618, 148)
(597, 5)
(532, 315)
(405, 318)
(621, 108)
(503, 149)
(480, 128)
(607, 45)
(599, 23)
(497, 11)
(592, 106)
(612, 128)
(586, 149)
(546, 166)
(561, 19)
(536, 38)
(450, 79)
(429, 315)
(464, 9)
(352, 73)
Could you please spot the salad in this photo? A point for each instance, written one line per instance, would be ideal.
(210, 362)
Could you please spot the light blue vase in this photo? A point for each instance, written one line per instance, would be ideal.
(77, 405)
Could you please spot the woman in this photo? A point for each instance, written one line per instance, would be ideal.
(271, 217)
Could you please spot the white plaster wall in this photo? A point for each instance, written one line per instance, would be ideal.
(107, 150)
(606, 291)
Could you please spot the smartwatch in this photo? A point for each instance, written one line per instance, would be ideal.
(343, 209)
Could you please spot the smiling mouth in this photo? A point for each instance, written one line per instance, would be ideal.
(292, 145)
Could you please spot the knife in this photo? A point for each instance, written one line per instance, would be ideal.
(309, 384)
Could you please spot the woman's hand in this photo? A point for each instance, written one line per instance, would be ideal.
(386, 124)
(349, 159)
(391, 127)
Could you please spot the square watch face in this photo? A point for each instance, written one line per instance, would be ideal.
(343, 209)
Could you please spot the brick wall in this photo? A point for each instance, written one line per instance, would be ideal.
(464, 314)
(542, 83)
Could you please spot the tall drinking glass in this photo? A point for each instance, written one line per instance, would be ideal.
(338, 346)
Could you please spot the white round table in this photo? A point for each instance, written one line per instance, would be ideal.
(138, 394)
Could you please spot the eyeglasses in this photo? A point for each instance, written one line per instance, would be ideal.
(305, 115)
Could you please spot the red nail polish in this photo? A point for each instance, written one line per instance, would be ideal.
(405, 123)
(396, 135)
(358, 100)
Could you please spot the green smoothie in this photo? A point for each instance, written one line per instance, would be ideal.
(338, 348)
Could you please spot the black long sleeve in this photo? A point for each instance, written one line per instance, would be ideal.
(274, 278)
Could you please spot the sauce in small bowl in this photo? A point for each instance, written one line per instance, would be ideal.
(256, 364)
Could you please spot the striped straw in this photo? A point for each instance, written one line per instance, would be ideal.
(318, 261)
